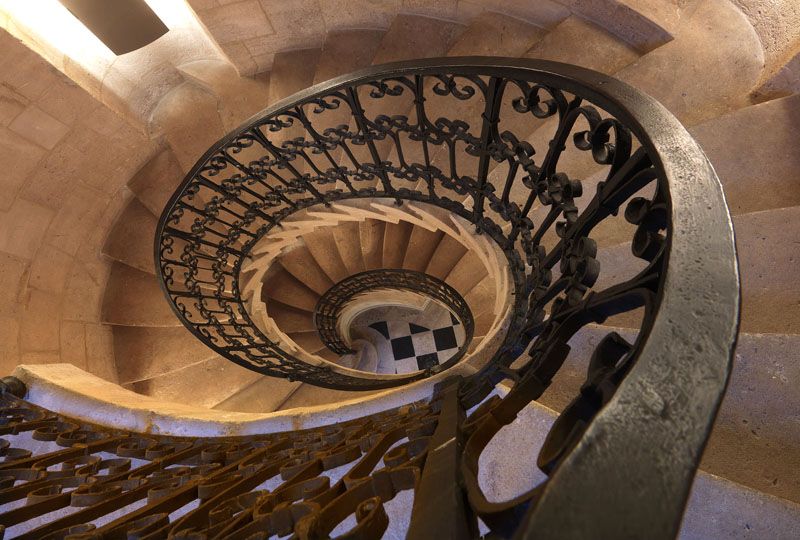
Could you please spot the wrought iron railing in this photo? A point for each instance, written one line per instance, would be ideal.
(330, 305)
(621, 457)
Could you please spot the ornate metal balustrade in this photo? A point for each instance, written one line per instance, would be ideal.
(497, 141)
(62, 478)
(330, 305)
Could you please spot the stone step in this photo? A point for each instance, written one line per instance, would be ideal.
(130, 240)
(414, 36)
(395, 242)
(408, 37)
(157, 180)
(143, 352)
(481, 298)
(134, 298)
(291, 72)
(239, 97)
(496, 34)
(322, 246)
(577, 41)
(189, 119)
(717, 79)
(280, 285)
(265, 394)
(309, 341)
(309, 396)
(218, 377)
(467, 273)
(299, 262)
(768, 246)
(447, 254)
(768, 252)
(290, 319)
(730, 141)
(346, 235)
(346, 51)
(756, 438)
(491, 34)
(483, 323)
(754, 152)
(371, 234)
(422, 245)
(328, 355)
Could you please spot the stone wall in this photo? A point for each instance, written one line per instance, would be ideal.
(66, 159)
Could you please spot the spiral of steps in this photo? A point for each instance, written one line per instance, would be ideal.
(749, 137)
(750, 145)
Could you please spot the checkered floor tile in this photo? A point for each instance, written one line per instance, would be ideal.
(416, 347)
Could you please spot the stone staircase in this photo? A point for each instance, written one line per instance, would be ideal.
(756, 165)
(704, 74)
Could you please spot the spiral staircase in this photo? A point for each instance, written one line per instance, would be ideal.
(309, 221)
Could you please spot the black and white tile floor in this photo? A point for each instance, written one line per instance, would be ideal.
(413, 346)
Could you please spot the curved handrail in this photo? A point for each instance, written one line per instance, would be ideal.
(626, 449)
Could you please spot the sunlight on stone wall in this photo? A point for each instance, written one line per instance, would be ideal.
(131, 84)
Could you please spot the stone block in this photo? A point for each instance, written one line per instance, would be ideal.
(340, 14)
(76, 219)
(241, 58)
(67, 102)
(9, 344)
(100, 352)
(12, 279)
(236, 22)
(156, 181)
(73, 343)
(146, 352)
(19, 157)
(11, 105)
(25, 71)
(38, 127)
(189, 119)
(134, 298)
(294, 16)
(543, 13)
(23, 227)
(49, 270)
(131, 238)
(83, 294)
(39, 323)
(442, 9)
